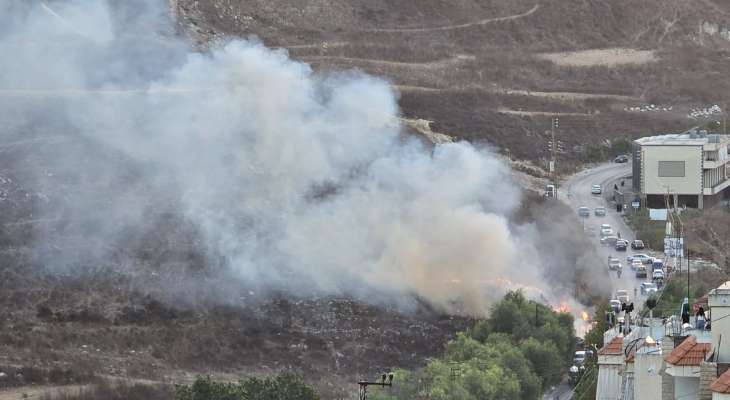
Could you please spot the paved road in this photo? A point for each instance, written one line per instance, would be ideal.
(560, 392)
(576, 191)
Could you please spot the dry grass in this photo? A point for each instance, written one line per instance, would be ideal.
(607, 57)
(105, 390)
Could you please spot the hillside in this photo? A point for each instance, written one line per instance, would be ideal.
(497, 71)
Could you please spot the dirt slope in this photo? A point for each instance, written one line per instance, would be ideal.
(602, 57)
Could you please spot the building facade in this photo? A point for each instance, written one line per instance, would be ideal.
(691, 169)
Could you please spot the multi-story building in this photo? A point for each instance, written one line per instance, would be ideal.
(689, 169)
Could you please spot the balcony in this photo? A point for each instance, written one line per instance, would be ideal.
(717, 188)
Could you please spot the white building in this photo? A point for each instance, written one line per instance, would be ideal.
(693, 168)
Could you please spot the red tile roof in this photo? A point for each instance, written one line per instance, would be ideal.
(689, 352)
(613, 348)
(721, 384)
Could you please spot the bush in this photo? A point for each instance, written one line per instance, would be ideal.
(282, 387)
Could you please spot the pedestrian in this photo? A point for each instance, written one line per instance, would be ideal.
(619, 235)
(700, 318)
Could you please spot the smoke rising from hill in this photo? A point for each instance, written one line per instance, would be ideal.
(296, 180)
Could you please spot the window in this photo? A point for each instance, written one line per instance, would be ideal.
(671, 169)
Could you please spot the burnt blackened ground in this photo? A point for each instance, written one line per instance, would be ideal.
(143, 300)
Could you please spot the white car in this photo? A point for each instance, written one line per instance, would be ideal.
(622, 296)
(648, 288)
(596, 189)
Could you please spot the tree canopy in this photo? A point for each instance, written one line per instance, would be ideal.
(522, 348)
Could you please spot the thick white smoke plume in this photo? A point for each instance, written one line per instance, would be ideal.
(297, 181)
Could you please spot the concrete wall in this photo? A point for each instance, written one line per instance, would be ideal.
(667, 380)
(686, 388)
(609, 382)
(720, 306)
(708, 374)
(718, 396)
(647, 376)
(652, 183)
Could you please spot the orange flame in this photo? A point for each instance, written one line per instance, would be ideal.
(584, 316)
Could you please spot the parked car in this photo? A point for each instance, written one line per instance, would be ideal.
(609, 240)
(600, 211)
(549, 190)
(621, 245)
(637, 245)
(641, 271)
(596, 189)
(645, 259)
(579, 357)
(648, 288)
(622, 296)
(621, 159)
(615, 305)
(584, 212)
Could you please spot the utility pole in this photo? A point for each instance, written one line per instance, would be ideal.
(363, 392)
(688, 299)
(554, 146)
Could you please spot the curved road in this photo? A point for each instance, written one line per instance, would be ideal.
(576, 191)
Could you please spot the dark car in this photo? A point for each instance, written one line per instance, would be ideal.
(621, 245)
(637, 244)
(621, 159)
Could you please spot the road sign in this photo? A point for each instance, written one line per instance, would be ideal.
(552, 166)
(635, 204)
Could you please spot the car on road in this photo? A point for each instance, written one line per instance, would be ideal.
(622, 296)
(657, 264)
(641, 271)
(645, 259)
(621, 245)
(584, 212)
(614, 264)
(579, 357)
(657, 275)
(637, 245)
(596, 189)
(599, 211)
(615, 305)
(648, 288)
(635, 264)
(609, 240)
(621, 159)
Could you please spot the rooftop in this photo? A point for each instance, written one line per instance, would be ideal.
(688, 353)
(613, 348)
(682, 139)
(721, 384)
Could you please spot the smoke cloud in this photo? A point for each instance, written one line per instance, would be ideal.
(293, 180)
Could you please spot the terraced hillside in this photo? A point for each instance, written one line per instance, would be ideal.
(497, 71)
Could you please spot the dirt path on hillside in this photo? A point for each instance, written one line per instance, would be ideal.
(460, 26)
(540, 113)
(36, 392)
(567, 96)
(445, 62)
